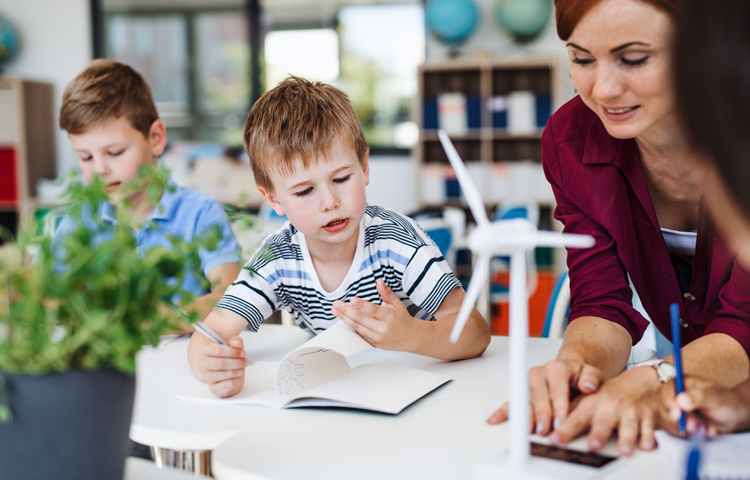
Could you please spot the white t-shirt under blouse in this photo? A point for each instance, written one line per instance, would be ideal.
(680, 243)
(390, 246)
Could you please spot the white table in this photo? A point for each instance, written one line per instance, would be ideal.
(440, 436)
(161, 373)
(140, 469)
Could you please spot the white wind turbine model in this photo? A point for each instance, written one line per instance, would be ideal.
(516, 237)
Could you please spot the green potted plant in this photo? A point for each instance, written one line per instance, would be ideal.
(72, 318)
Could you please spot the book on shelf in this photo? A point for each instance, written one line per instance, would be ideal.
(317, 374)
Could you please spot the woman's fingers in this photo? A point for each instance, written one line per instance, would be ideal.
(540, 402)
(590, 379)
(627, 432)
(575, 423)
(648, 441)
(558, 378)
(603, 424)
(500, 415)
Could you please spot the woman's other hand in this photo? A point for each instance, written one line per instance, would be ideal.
(629, 403)
(553, 385)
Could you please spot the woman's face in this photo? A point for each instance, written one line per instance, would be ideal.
(620, 64)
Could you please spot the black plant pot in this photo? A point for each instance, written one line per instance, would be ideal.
(71, 425)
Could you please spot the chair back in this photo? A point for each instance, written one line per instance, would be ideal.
(558, 308)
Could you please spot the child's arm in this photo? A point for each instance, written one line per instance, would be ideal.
(222, 367)
(390, 326)
(220, 278)
(722, 409)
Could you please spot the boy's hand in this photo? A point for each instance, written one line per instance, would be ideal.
(222, 367)
(389, 326)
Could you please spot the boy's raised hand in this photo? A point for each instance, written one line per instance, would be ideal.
(388, 326)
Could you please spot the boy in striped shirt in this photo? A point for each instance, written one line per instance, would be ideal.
(337, 258)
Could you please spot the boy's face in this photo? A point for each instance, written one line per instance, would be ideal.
(325, 202)
(115, 151)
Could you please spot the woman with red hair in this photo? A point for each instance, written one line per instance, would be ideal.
(623, 171)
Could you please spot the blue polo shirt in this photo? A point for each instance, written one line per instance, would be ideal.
(182, 213)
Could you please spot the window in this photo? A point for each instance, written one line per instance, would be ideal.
(222, 74)
(208, 102)
(156, 46)
(381, 48)
(198, 63)
(312, 54)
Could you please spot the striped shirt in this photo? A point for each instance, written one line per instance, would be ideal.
(390, 246)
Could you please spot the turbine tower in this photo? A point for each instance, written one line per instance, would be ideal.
(516, 238)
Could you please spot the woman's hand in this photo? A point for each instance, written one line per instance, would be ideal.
(722, 409)
(552, 387)
(632, 403)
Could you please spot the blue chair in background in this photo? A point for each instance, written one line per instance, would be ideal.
(268, 213)
(558, 308)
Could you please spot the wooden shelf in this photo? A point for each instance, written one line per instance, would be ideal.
(483, 134)
(27, 129)
(489, 144)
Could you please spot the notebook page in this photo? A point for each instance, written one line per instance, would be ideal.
(725, 457)
(257, 390)
(378, 387)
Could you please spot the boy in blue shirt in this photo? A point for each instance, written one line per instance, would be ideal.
(337, 258)
(111, 118)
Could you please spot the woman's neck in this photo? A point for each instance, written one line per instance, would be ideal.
(673, 175)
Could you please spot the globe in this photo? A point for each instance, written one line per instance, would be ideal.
(524, 19)
(8, 40)
(452, 21)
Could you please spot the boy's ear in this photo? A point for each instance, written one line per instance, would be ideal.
(157, 137)
(366, 168)
(272, 200)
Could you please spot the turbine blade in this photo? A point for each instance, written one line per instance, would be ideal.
(570, 240)
(473, 198)
(478, 280)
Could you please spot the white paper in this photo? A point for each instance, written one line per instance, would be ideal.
(726, 456)
(258, 388)
(317, 374)
(452, 115)
(522, 113)
(376, 386)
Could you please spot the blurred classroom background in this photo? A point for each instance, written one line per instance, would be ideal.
(490, 72)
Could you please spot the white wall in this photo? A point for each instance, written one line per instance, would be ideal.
(392, 183)
(489, 38)
(55, 47)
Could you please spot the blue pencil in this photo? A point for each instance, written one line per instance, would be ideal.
(679, 380)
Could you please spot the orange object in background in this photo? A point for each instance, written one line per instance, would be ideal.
(537, 305)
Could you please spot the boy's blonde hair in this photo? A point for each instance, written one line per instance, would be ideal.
(107, 90)
(299, 122)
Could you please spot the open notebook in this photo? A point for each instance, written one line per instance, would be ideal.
(725, 457)
(317, 374)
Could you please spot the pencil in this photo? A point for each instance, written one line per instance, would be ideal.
(679, 380)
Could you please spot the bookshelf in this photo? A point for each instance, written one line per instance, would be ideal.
(27, 146)
(507, 104)
(494, 111)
